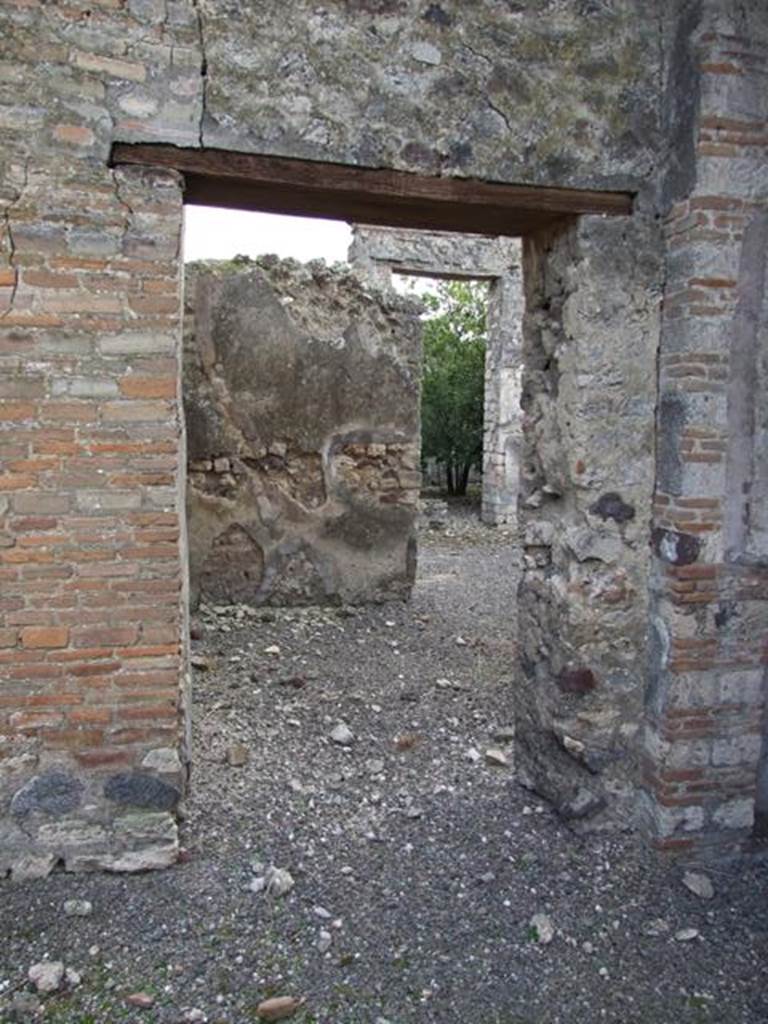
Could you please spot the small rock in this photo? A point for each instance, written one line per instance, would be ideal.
(143, 1000)
(324, 941)
(407, 741)
(656, 927)
(342, 735)
(273, 649)
(321, 912)
(496, 757)
(375, 766)
(460, 641)
(686, 934)
(278, 881)
(544, 929)
(413, 812)
(473, 755)
(78, 908)
(73, 977)
(200, 662)
(194, 1016)
(238, 755)
(258, 884)
(278, 1007)
(503, 734)
(699, 884)
(47, 975)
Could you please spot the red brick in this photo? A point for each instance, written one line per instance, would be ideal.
(46, 279)
(90, 716)
(65, 739)
(148, 387)
(149, 711)
(104, 758)
(100, 636)
(45, 636)
(154, 651)
(17, 411)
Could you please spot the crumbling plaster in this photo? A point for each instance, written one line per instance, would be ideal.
(301, 395)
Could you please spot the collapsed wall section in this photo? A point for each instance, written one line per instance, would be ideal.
(301, 393)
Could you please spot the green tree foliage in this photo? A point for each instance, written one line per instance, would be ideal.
(454, 362)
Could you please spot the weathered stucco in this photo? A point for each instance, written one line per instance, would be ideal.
(380, 252)
(666, 100)
(301, 395)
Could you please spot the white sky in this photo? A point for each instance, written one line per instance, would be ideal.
(217, 234)
(214, 233)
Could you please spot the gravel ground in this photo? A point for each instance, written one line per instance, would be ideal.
(417, 864)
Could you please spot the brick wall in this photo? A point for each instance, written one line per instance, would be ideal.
(708, 671)
(90, 501)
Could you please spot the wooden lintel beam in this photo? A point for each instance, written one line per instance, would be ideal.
(215, 177)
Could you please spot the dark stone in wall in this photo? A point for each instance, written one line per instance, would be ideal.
(54, 792)
(680, 102)
(435, 14)
(671, 422)
(675, 548)
(577, 680)
(611, 506)
(139, 790)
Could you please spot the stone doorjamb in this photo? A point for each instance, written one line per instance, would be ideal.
(379, 252)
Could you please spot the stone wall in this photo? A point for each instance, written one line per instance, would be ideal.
(587, 474)
(301, 394)
(380, 252)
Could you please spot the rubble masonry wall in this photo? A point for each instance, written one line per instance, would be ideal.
(301, 398)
